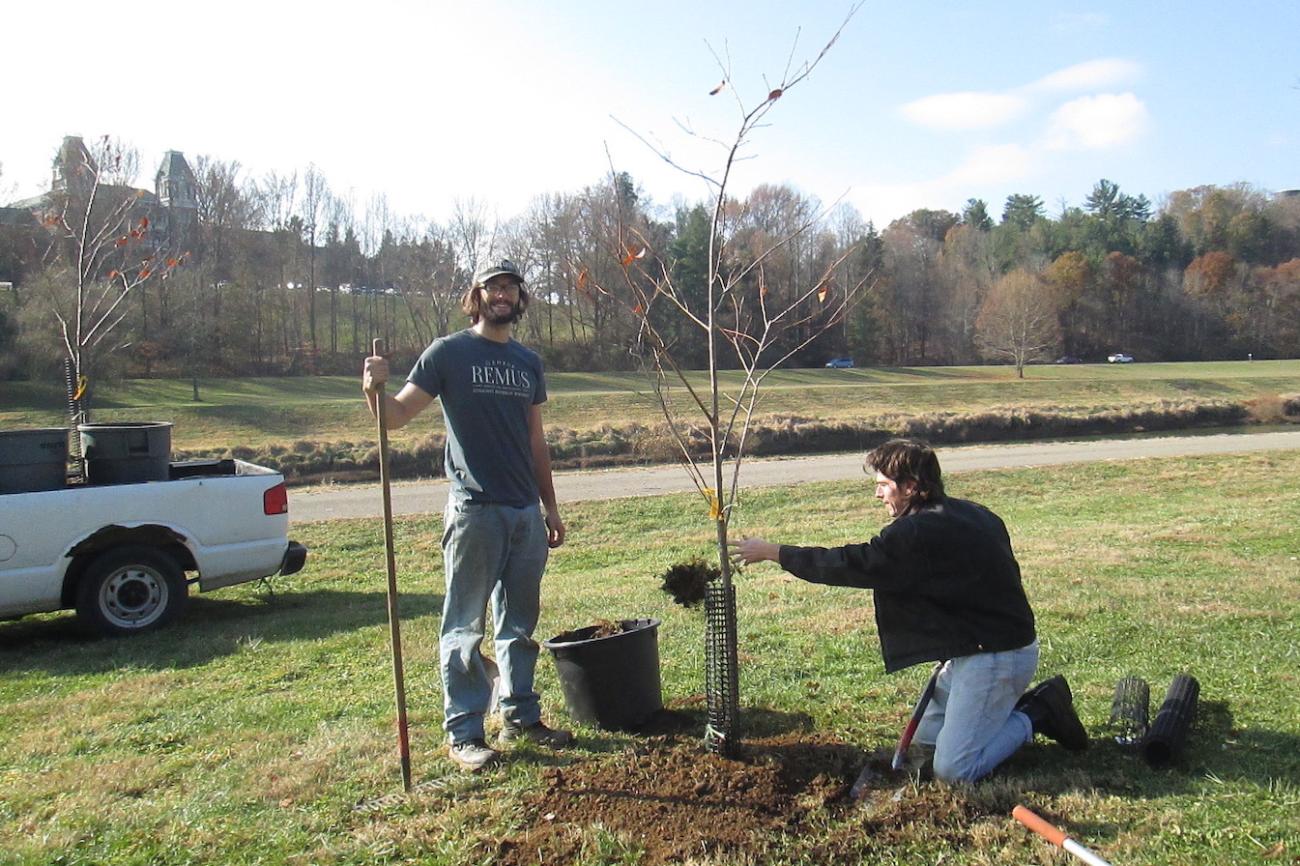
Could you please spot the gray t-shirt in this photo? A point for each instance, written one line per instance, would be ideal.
(486, 389)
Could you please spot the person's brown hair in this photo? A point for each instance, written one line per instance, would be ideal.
(902, 460)
(472, 302)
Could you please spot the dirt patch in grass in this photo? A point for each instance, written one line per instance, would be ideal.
(672, 801)
(675, 801)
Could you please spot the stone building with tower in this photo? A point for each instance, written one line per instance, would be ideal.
(171, 207)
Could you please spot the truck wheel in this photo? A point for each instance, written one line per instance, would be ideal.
(131, 589)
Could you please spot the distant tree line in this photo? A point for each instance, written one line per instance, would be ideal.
(279, 274)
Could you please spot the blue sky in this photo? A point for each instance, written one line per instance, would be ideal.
(922, 104)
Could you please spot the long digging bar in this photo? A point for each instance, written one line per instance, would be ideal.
(905, 741)
(1056, 836)
(394, 622)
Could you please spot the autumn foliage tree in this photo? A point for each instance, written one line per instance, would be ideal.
(1019, 321)
(1121, 280)
(1278, 307)
(1210, 281)
(1071, 278)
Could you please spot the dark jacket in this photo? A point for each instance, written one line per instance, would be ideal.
(946, 583)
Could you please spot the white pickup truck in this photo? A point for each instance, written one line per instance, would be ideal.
(120, 553)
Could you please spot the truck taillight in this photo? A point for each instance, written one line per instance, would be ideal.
(276, 500)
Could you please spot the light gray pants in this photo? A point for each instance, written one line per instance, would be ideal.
(971, 721)
(497, 553)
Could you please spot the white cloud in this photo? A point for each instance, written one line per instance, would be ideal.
(997, 164)
(1001, 165)
(1099, 122)
(968, 110)
(1094, 122)
(1094, 74)
(984, 109)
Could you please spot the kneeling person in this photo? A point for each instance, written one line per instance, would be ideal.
(947, 586)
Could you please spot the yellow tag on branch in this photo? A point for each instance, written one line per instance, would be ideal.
(715, 508)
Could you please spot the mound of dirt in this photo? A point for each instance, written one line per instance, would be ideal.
(676, 801)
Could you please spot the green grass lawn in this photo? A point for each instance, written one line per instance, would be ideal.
(257, 412)
(248, 732)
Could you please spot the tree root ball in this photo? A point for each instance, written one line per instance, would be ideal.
(686, 581)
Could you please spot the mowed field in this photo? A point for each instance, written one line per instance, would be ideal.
(252, 730)
(258, 412)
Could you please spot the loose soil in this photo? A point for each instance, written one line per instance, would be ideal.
(606, 628)
(674, 802)
(598, 629)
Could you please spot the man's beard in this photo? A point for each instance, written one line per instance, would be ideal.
(516, 311)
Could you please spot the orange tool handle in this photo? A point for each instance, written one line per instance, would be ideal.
(1039, 826)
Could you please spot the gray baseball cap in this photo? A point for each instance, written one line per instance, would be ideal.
(496, 268)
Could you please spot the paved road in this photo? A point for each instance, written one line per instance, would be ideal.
(421, 497)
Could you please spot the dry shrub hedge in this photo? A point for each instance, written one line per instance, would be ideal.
(627, 444)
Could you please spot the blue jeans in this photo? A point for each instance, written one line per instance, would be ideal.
(971, 721)
(495, 552)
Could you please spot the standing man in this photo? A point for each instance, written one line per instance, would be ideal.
(495, 537)
(947, 586)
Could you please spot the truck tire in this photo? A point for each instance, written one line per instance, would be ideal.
(127, 590)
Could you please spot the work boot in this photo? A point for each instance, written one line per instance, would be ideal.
(1050, 708)
(472, 755)
(536, 733)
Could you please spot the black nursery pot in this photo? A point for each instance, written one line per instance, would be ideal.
(613, 681)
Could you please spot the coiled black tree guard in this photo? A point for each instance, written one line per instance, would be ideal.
(721, 680)
(76, 414)
(1165, 740)
(1130, 712)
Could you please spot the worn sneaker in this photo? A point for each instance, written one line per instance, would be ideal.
(537, 733)
(472, 755)
(1050, 708)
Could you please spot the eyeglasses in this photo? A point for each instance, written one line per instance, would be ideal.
(508, 287)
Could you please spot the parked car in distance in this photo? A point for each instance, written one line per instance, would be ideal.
(1119, 358)
(1069, 359)
(840, 363)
